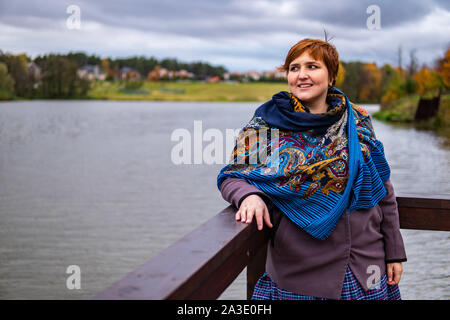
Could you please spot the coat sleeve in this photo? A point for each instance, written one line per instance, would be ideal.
(235, 190)
(390, 226)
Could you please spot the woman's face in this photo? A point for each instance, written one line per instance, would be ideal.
(308, 78)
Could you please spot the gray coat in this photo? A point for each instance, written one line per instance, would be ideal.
(365, 240)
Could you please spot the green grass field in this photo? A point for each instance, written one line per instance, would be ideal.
(187, 91)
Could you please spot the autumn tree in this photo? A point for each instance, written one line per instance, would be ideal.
(351, 85)
(426, 80)
(6, 83)
(154, 74)
(370, 83)
(17, 65)
(341, 75)
(106, 67)
(443, 68)
(393, 79)
(60, 80)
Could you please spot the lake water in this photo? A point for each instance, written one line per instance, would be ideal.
(92, 183)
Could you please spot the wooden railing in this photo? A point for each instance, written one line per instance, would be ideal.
(202, 264)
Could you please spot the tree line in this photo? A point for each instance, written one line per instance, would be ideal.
(58, 77)
(368, 83)
(362, 82)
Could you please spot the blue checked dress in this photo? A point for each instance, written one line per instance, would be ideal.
(266, 289)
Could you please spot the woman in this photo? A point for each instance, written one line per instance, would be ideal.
(329, 201)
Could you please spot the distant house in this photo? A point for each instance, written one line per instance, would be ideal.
(183, 74)
(157, 74)
(236, 76)
(164, 73)
(161, 73)
(246, 76)
(213, 79)
(274, 75)
(34, 72)
(127, 73)
(253, 75)
(91, 73)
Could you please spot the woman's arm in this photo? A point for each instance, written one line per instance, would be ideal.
(393, 242)
(390, 227)
(248, 199)
(235, 190)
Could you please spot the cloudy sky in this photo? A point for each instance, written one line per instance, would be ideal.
(238, 34)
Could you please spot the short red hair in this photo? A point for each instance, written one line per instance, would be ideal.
(319, 50)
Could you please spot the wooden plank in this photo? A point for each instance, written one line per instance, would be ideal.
(430, 212)
(198, 266)
(225, 273)
(255, 269)
(430, 201)
(424, 219)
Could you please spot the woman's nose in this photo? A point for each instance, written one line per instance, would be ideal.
(302, 73)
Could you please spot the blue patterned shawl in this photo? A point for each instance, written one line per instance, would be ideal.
(324, 164)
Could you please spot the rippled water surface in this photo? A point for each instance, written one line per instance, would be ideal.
(92, 183)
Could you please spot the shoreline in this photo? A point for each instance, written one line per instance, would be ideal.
(403, 111)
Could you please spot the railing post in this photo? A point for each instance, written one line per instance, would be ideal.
(255, 269)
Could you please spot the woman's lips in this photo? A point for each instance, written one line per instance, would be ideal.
(305, 88)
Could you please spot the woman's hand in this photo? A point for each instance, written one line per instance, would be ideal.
(394, 272)
(251, 206)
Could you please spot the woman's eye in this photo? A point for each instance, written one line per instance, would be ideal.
(315, 67)
(293, 68)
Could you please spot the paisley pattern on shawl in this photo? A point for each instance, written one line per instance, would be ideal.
(316, 166)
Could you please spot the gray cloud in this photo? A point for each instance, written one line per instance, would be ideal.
(221, 16)
(220, 30)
